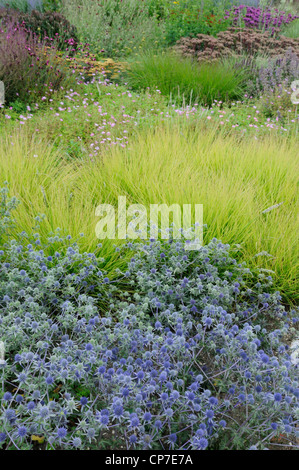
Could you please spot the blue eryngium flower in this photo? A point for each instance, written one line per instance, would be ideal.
(76, 442)
(61, 432)
(118, 411)
(200, 443)
(49, 380)
(134, 423)
(22, 431)
(7, 396)
(133, 439)
(83, 401)
(104, 420)
(209, 414)
(147, 416)
(277, 396)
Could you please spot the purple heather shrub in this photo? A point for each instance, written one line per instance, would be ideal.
(134, 355)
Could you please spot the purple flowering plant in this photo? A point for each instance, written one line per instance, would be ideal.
(26, 70)
(265, 19)
(272, 84)
(177, 351)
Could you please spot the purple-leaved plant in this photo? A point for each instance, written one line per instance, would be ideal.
(25, 69)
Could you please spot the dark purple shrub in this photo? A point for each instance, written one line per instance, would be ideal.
(25, 68)
(51, 27)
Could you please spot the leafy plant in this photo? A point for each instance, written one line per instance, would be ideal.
(292, 30)
(273, 85)
(187, 18)
(114, 28)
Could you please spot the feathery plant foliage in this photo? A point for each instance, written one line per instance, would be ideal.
(114, 28)
(292, 30)
(235, 180)
(185, 80)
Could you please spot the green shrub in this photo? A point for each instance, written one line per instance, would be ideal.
(115, 28)
(191, 17)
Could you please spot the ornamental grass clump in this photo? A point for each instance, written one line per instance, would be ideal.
(182, 350)
(185, 81)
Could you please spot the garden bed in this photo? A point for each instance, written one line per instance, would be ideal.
(120, 344)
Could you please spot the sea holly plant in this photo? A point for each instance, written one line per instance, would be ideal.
(182, 350)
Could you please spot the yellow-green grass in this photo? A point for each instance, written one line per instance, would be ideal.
(234, 180)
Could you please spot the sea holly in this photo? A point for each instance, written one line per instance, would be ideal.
(168, 367)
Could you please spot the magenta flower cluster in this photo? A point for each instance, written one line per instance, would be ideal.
(259, 18)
